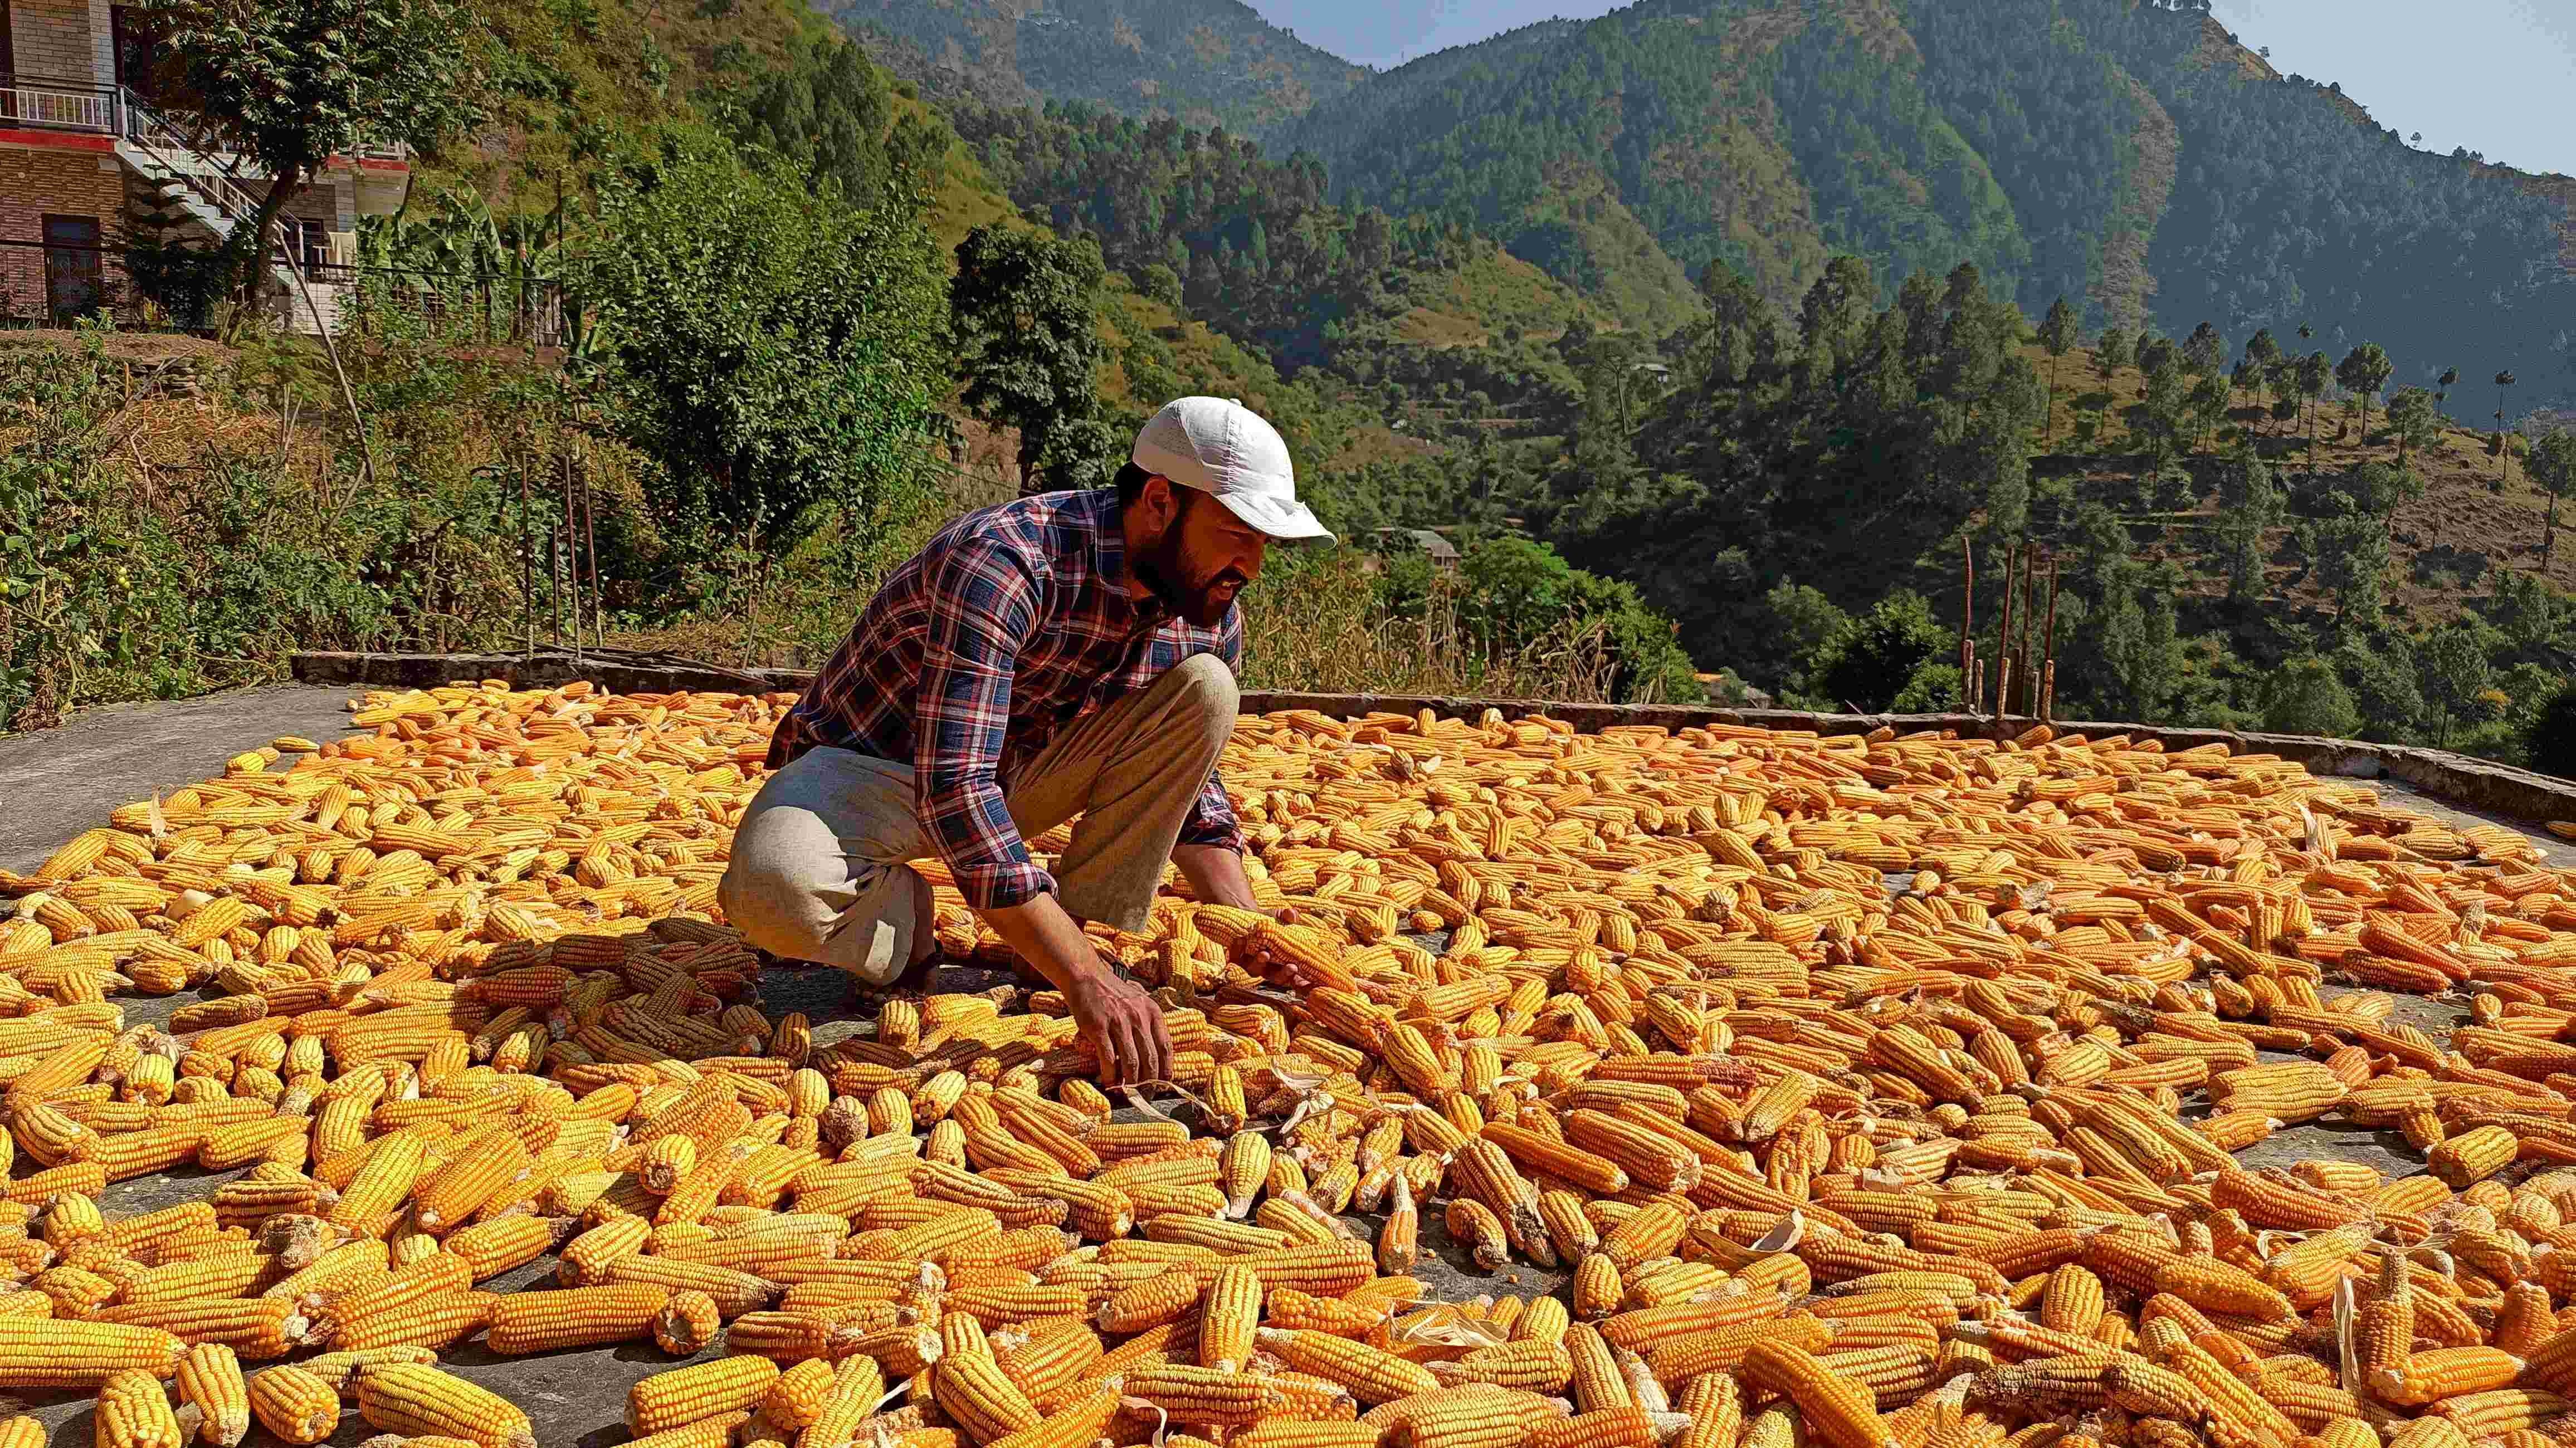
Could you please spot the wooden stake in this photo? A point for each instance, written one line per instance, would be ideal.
(1968, 610)
(2048, 651)
(2004, 636)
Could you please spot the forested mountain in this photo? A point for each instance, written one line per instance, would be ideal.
(1208, 224)
(2128, 156)
(1201, 62)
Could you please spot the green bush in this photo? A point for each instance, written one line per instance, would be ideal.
(2549, 743)
(1875, 658)
(2306, 696)
(769, 348)
(1517, 599)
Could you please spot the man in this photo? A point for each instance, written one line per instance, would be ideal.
(1068, 653)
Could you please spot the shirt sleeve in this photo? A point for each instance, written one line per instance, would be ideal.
(1212, 820)
(984, 605)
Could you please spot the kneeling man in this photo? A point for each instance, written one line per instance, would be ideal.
(1067, 654)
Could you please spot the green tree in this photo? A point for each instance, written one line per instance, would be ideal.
(2264, 354)
(2526, 610)
(2551, 465)
(2415, 418)
(2112, 352)
(2056, 338)
(2250, 502)
(2204, 351)
(2377, 490)
(2168, 405)
(826, 107)
(2451, 667)
(297, 82)
(2349, 557)
(1799, 622)
(1023, 311)
(2450, 378)
(2383, 684)
(2549, 742)
(1518, 595)
(1873, 657)
(2305, 695)
(2363, 371)
(2314, 373)
(769, 348)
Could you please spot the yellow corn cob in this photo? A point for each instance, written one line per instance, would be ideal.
(705, 1390)
(527, 1322)
(404, 1398)
(2426, 1377)
(133, 1411)
(210, 1380)
(1233, 1314)
(1839, 1412)
(294, 1404)
(1372, 1374)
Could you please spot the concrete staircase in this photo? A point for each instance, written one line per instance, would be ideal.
(173, 184)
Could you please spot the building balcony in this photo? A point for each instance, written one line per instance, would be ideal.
(46, 103)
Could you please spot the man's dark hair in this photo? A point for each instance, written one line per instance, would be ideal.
(1130, 482)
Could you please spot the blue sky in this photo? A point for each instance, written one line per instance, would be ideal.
(2492, 75)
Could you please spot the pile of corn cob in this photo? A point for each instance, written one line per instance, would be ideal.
(1843, 1075)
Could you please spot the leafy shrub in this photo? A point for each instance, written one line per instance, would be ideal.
(1875, 658)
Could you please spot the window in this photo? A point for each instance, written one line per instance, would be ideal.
(72, 287)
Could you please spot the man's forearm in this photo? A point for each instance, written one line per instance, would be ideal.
(1047, 938)
(1215, 874)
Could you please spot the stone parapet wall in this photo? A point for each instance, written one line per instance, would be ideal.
(2470, 783)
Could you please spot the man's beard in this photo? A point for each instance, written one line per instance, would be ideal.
(1166, 575)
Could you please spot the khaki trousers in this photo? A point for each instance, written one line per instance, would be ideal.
(819, 869)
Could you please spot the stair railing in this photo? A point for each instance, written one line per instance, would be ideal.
(154, 135)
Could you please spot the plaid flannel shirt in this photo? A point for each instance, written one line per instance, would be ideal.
(1014, 623)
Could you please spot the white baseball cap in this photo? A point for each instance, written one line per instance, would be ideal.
(1224, 449)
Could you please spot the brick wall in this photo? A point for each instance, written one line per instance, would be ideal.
(62, 40)
(38, 183)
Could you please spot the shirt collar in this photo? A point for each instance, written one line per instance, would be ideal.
(1109, 560)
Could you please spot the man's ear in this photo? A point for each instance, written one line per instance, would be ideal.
(1162, 501)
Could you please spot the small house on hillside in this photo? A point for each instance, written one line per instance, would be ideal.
(1442, 553)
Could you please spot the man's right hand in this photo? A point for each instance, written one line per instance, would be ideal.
(1124, 1026)
(1122, 1023)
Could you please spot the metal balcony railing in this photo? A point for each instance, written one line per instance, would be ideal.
(52, 103)
(60, 105)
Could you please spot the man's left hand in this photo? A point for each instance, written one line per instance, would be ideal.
(1254, 955)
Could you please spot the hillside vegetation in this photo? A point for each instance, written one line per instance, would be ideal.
(1713, 335)
(2127, 156)
(1201, 62)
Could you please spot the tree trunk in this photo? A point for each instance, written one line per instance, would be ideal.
(252, 269)
(1030, 444)
(2548, 535)
(2048, 432)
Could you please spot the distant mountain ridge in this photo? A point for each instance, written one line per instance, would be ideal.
(1201, 62)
